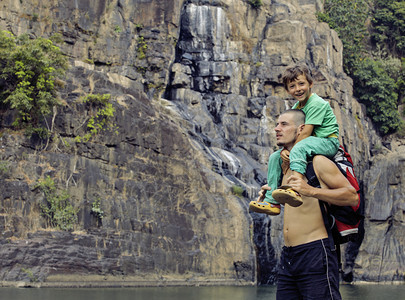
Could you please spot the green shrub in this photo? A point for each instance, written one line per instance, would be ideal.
(4, 168)
(101, 113)
(256, 3)
(29, 69)
(142, 47)
(237, 190)
(96, 209)
(30, 274)
(57, 210)
(117, 29)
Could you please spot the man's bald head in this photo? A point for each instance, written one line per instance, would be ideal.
(298, 116)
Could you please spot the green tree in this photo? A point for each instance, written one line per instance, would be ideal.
(378, 77)
(29, 70)
(389, 25)
(348, 19)
(376, 89)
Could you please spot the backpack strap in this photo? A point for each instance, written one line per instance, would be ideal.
(313, 181)
(311, 176)
(329, 222)
(327, 218)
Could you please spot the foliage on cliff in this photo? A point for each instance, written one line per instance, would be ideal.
(56, 209)
(28, 76)
(372, 54)
(101, 114)
(256, 3)
(389, 26)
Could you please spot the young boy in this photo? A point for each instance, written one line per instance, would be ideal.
(319, 136)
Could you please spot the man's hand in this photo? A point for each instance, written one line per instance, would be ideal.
(300, 185)
(262, 192)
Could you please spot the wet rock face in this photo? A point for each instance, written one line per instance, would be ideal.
(380, 253)
(160, 218)
(196, 88)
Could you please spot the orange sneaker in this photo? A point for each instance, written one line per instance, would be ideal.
(286, 195)
(265, 208)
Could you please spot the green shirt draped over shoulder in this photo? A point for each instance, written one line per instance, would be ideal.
(319, 113)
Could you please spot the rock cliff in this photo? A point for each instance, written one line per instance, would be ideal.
(196, 88)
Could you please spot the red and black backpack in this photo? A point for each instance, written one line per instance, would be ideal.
(343, 221)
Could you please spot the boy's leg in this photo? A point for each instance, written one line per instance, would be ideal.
(299, 156)
(308, 148)
(273, 175)
(269, 205)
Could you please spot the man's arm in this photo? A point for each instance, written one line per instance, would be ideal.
(335, 188)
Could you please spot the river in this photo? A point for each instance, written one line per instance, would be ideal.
(349, 292)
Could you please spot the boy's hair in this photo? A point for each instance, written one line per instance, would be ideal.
(298, 116)
(292, 72)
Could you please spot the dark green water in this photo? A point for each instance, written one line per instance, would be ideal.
(349, 292)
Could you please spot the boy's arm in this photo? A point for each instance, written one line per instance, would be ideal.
(335, 188)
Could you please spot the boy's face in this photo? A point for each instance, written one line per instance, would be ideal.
(300, 89)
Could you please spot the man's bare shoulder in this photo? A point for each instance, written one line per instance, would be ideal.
(332, 178)
(324, 167)
(320, 160)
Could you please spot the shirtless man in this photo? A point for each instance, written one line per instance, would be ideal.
(308, 263)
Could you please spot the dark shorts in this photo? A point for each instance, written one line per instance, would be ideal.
(309, 271)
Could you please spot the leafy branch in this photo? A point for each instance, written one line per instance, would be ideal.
(101, 117)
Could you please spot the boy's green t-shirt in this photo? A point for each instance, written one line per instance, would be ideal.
(319, 113)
